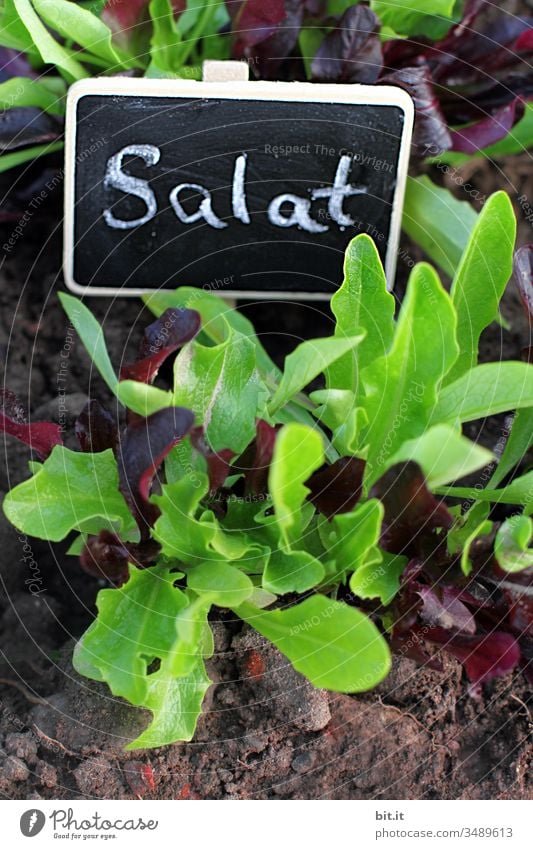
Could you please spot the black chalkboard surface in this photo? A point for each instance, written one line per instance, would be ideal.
(248, 189)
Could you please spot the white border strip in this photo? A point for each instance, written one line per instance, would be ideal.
(307, 92)
(317, 822)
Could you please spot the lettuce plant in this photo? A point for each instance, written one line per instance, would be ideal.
(325, 520)
(464, 63)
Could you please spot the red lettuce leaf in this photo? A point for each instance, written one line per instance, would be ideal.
(411, 645)
(162, 338)
(476, 70)
(253, 21)
(96, 428)
(337, 488)
(407, 635)
(13, 63)
(431, 134)
(411, 510)
(129, 19)
(268, 55)
(483, 656)
(444, 609)
(523, 277)
(486, 639)
(142, 448)
(27, 125)
(260, 454)
(19, 194)
(517, 589)
(470, 54)
(218, 462)
(40, 436)
(106, 556)
(489, 130)
(351, 52)
(524, 42)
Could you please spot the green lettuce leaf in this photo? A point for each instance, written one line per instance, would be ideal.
(335, 646)
(481, 278)
(298, 452)
(401, 387)
(485, 390)
(69, 489)
(512, 546)
(361, 303)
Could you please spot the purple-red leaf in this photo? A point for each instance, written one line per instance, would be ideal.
(106, 556)
(523, 277)
(484, 656)
(13, 63)
(256, 476)
(337, 488)
(142, 448)
(40, 436)
(253, 21)
(127, 18)
(489, 130)
(122, 15)
(351, 52)
(517, 589)
(524, 42)
(269, 54)
(445, 610)
(218, 462)
(96, 428)
(162, 338)
(19, 194)
(476, 71)
(411, 645)
(411, 510)
(27, 125)
(431, 135)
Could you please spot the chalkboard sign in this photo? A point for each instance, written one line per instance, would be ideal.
(248, 189)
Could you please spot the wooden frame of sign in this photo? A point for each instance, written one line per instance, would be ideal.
(248, 189)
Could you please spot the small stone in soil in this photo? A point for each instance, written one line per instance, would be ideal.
(302, 762)
(15, 769)
(23, 746)
(46, 774)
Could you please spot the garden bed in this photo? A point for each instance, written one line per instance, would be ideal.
(266, 732)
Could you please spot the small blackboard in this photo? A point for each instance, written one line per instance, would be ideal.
(249, 189)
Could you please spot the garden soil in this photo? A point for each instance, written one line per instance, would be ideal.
(266, 733)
